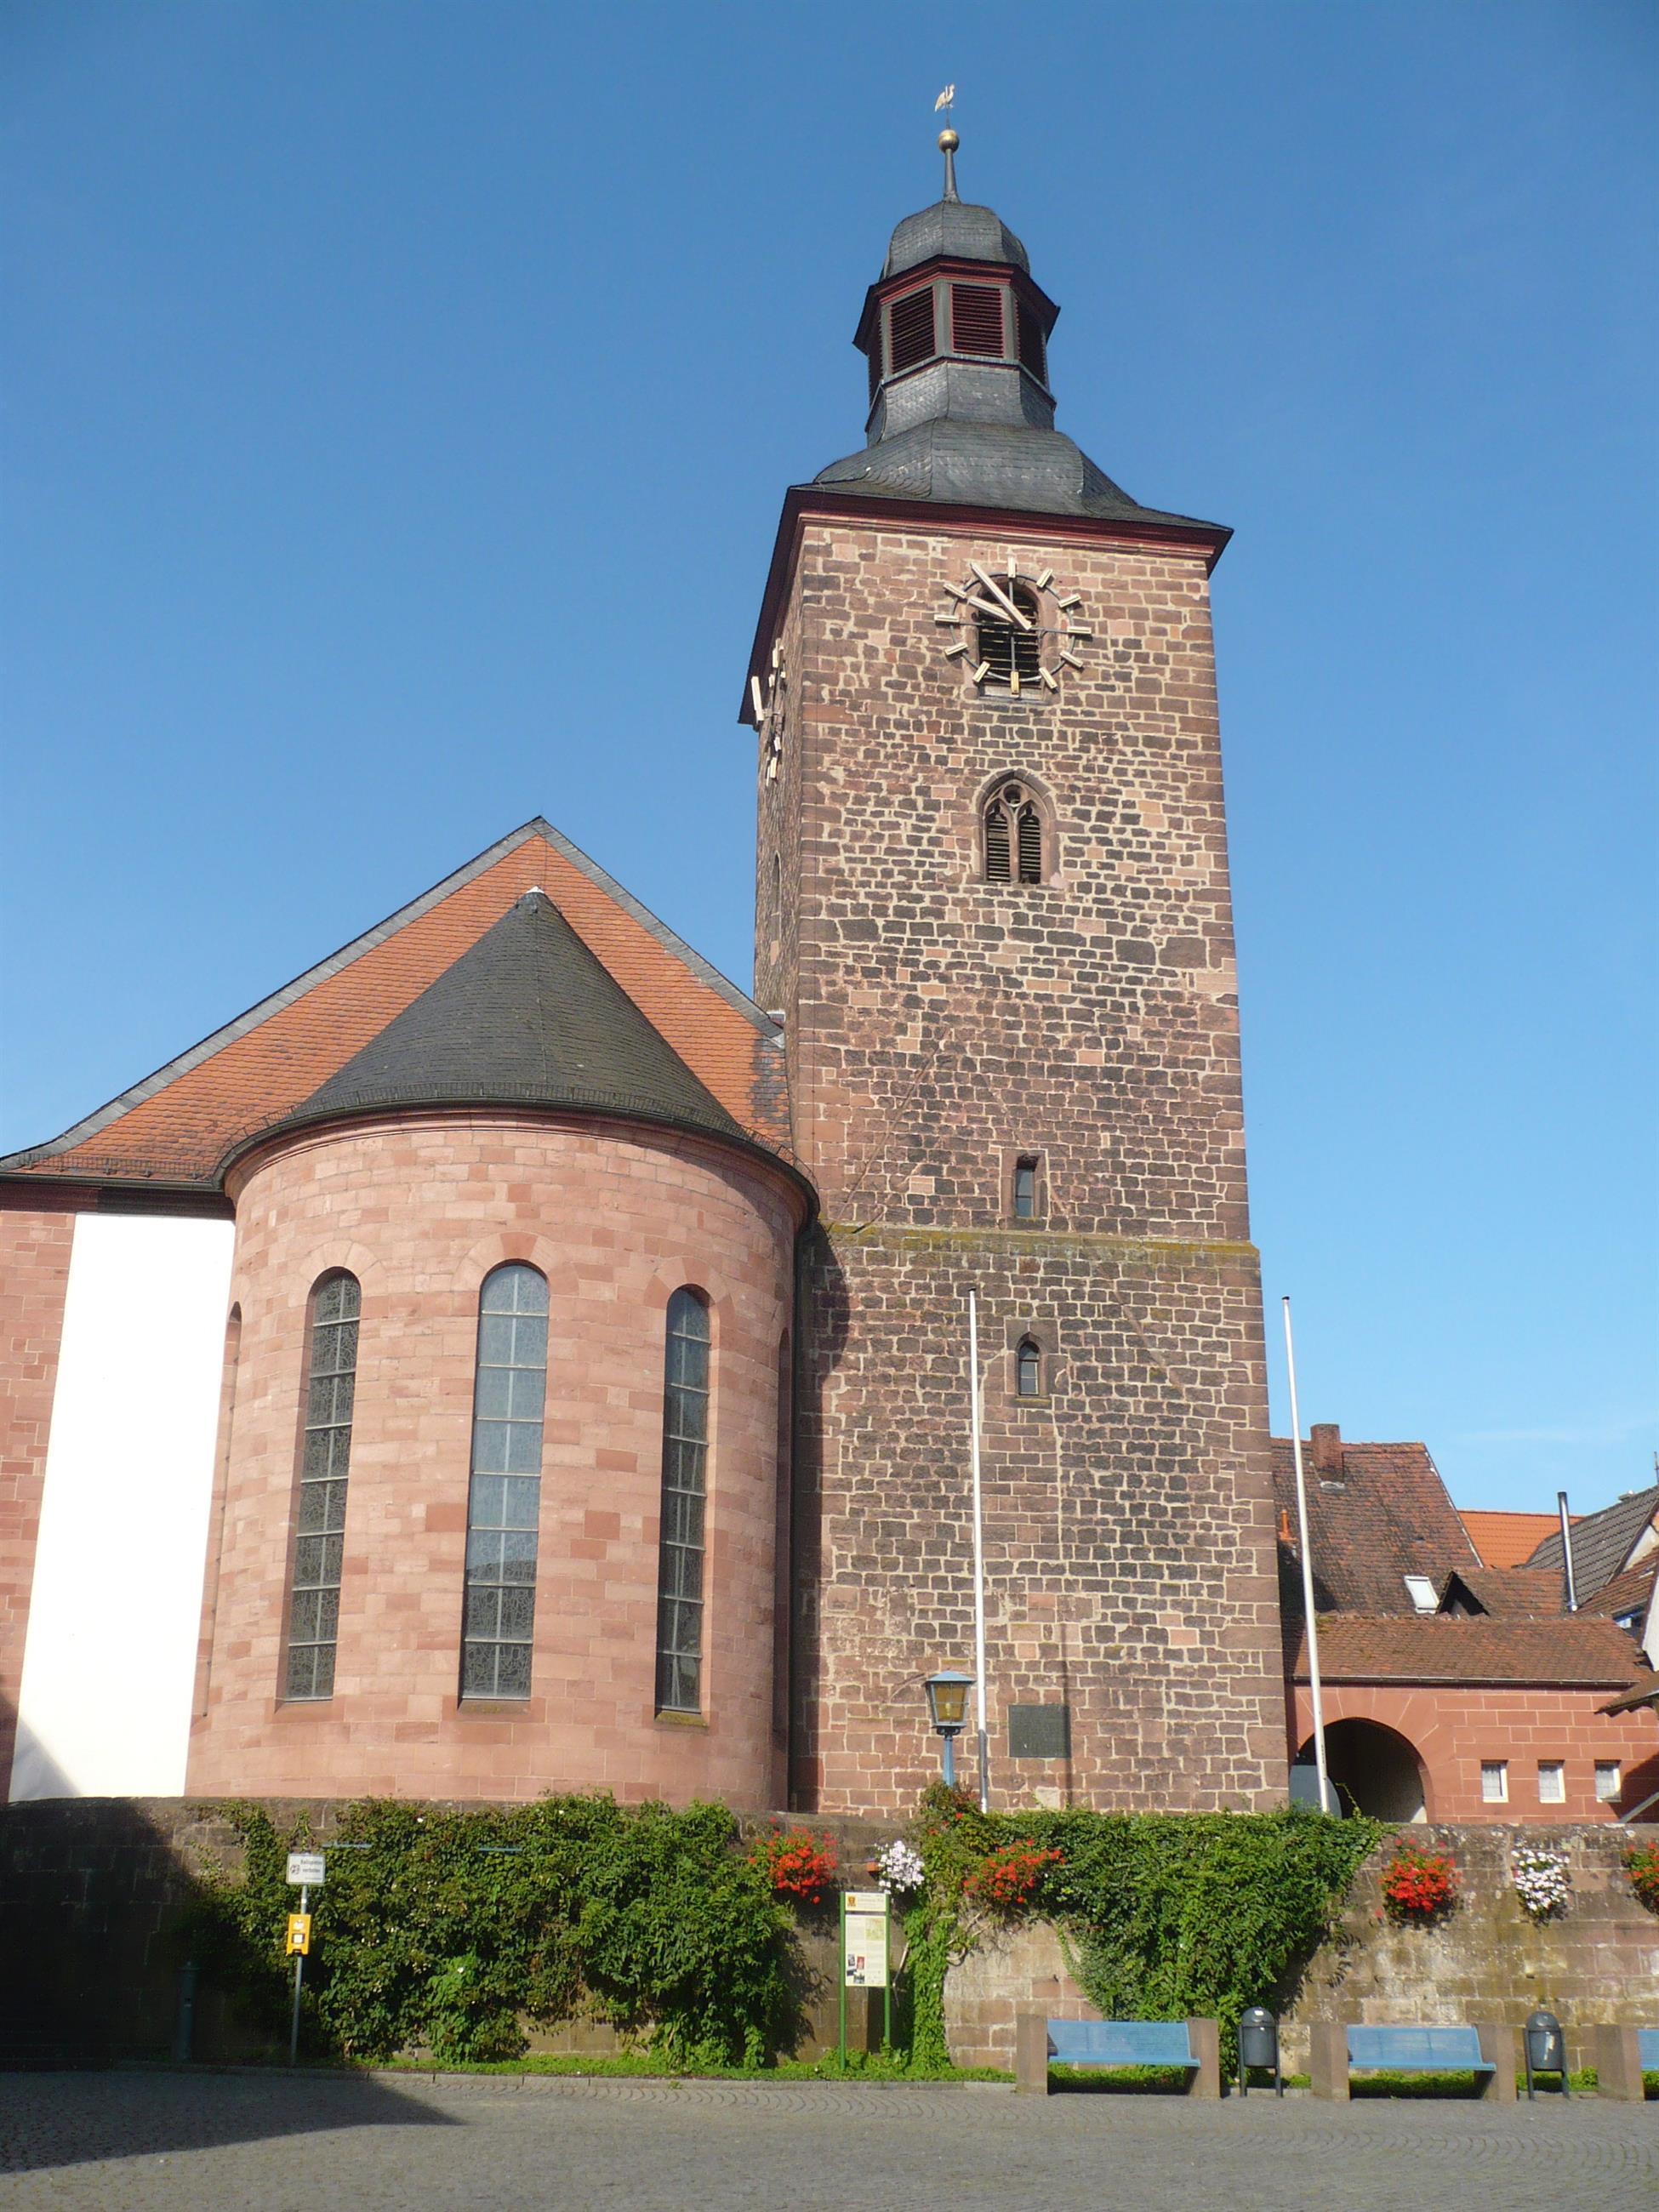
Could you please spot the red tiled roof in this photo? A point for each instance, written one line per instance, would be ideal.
(1508, 1539)
(176, 1127)
(1388, 1516)
(1626, 1593)
(1575, 1650)
(1514, 1592)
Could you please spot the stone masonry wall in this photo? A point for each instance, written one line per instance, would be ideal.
(936, 1027)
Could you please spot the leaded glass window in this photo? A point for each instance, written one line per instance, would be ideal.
(684, 1489)
(313, 1620)
(504, 1499)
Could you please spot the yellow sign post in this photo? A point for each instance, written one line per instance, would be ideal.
(299, 1935)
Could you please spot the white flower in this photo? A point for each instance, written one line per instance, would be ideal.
(899, 1867)
(1541, 1880)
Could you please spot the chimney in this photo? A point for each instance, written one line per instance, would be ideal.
(1325, 1439)
(1286, 1534)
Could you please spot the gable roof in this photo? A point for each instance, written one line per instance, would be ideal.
(1508, 1593)
(172, 1129)
(1602, 1543)
(1386, 1515)
(527, 1015)
(1630, 1592)
(1573, 1651)
(1508, 1539)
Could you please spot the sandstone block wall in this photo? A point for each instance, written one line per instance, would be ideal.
(937, 1027)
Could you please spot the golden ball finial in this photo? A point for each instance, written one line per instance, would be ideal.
(948, 141)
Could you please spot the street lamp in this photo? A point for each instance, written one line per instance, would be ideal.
(947, 1707)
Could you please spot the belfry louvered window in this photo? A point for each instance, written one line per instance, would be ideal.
(977, 319)
(503, 1509)
(910, 330)
(314, 1620)
(1005, 650)
(1033, 351)
(685, 1492)
(1013, 837)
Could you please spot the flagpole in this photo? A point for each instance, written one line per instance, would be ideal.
(1317, 1698)
(979, 1554)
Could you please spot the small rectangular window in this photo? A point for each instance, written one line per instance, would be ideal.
(1609, 1781)
(1495, 1781)
(1552, 1782)
(1026, 1168)
(1421, 1592)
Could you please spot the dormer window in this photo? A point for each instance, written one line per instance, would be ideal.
(1421, 1592)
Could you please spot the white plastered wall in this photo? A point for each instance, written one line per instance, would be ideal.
(109, 1665)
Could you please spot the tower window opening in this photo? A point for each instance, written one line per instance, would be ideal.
(910, 329)
(1025, 1187)
(1013, 837)
(684, 1494)
(1033, 351)
(1027, 1369)
(1005, 649)
(977, 319)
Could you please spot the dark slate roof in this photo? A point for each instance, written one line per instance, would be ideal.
(958, 229)
(527, 1016)
(1602, 1543)
(1002, 464)
(1572, 1651)
(1386, 1515)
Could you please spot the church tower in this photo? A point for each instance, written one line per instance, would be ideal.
(993, 913)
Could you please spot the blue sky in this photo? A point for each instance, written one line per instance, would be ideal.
(401, 399)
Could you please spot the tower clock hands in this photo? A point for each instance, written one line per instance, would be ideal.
(1010, 611)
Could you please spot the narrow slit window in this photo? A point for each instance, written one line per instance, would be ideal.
(1027, 1369)
(503, 1506)
(1025, 1187)
(313, 1620)
(684, 1493)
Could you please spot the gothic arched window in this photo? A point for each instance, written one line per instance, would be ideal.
(1005, 649)
(504, 1498)
(1012, 831)
(1027, 1369)
(313, 1618)
(684, 1489)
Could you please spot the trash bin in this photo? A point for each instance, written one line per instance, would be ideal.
(1258, 2045)
(1546, 2049)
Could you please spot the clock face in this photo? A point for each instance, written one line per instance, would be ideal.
(1018, 631)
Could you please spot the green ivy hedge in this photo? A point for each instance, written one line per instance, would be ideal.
(1163, 1915)
(447, 1929)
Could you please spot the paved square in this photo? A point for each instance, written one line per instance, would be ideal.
(265, 2142)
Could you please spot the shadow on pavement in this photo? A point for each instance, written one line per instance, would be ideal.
(80, 2119)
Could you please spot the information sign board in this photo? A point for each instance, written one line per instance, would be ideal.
(863, 1939)
(306, 1869)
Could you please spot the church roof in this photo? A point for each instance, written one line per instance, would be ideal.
(527, 1016)
(956, 229)
(171, 1131)
(1016, 466)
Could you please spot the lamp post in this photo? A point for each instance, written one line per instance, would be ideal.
(947, 1708)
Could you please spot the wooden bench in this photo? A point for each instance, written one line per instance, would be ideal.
(1488, 2053)
(1622, 2054)
(1194, 2046)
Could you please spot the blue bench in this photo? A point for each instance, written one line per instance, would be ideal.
(1647, 2046)
(1488, 2053)
(1193, 2045)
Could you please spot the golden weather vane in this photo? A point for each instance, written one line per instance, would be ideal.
(948, 140)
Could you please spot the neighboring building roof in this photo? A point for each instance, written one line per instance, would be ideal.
(1630, 1592)
(527, 1016)
(1508, 1539)
(1506, 1593)
(1573, 1651)
(172, 1129)
(1375, 1514)
(1603, 1542)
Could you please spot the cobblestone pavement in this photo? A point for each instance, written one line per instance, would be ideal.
(265, 2143)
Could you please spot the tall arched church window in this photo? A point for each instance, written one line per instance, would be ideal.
(1012, 831)
(503, 1509)
(685, 1492)
(1006, 650)
(1028, 1368)
(314, 1617)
